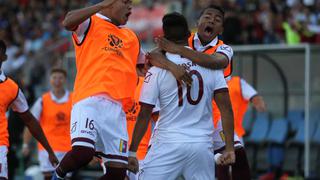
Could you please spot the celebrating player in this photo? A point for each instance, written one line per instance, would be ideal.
(106, 58)
(181, 144)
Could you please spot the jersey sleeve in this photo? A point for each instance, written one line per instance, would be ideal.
(247, 90)
(141, 57)
(82, 30)
(20, 104)
(219, 81)
(225, 50)
(37, 108)
(150, 89)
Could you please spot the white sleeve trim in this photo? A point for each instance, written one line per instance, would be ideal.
(20, 104)
(37, 108)
(81, 30)
(247, 90)
(226, 50)
(141, 57)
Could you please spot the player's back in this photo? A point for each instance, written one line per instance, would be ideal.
(185, 112)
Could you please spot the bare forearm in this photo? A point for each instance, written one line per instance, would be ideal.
(36, 130)
(26, 136)
(228, 127)
(139, 130)
(76, 17)
(215, 61)
(223, 102)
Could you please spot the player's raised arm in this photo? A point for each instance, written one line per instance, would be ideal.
(158, 59)
(37, 132)
(76, 17)
(215, 61)
(223, 101)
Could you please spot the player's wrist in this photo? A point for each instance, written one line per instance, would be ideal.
(25, 145)
(132, 154)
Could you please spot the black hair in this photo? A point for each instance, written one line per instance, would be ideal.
(175, 27)
(213, 6)
(59, 70)
(3, 47)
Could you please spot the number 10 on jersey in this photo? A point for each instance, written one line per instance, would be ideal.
(189, 98)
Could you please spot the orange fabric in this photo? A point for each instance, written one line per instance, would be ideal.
(8, 93)
(227, 72)
(212, 50)
(132, 116)
(239, 105)
(55, 122)
(106, 61)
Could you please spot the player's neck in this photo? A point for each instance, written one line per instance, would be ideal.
(205, 42)
(58, 92)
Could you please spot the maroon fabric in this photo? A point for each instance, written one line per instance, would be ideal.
(78, 157)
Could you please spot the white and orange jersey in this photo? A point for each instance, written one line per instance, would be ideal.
(105, 63)
(185, 112)
(54, 117)
(10, 96)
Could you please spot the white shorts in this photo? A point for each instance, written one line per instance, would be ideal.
(168, 161)
(219, 139)
(45, 165)
(99, 122)
(133, 176)
(3, 162)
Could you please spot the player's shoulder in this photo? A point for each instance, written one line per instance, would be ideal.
(225, 47)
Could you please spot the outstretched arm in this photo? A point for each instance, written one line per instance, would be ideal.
(76, 17)
(36, 130)
(223, 102)
(215, 61)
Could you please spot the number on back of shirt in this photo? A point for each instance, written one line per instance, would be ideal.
(189, 97)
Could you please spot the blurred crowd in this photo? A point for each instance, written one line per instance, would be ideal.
(32, 27)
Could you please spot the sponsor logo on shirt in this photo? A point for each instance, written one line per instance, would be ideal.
(114, 44)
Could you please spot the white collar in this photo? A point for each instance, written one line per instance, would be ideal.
(2, 76)
(200, 47)
(63, 99)
(103, 17)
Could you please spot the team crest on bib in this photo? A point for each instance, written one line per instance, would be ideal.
(114, 41)
(114, 44)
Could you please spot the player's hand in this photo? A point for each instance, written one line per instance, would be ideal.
(106, 3)
(181, 74)
(167, 45)
(133, 164)
(53, 159)
(227, 158)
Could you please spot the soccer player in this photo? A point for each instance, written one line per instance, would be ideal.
(207, 51)
(131, 116)
(241, 93)
(181, 143)
(52, 110)
(106, 58)
(11, 96)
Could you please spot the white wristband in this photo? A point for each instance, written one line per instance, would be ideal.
(25, 145)
(132, 154)
(216, 157)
